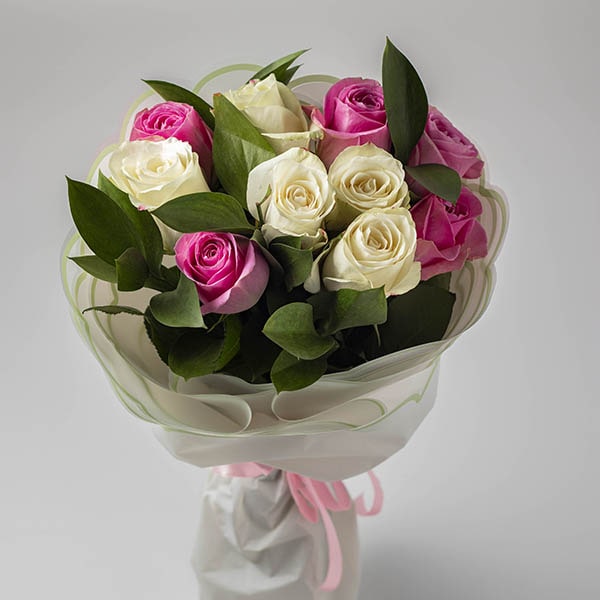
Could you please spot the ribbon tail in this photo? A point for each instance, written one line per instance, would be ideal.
(334, 570)
(361, 507)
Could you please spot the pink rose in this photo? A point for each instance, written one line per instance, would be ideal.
(229, 270)
(178, 120)
(441, 143)
(353, 114)
(448, 234)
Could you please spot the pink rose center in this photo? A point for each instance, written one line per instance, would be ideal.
(165, 121)
(365, 100)
(161, 119)
(457, 210)
(212, 258)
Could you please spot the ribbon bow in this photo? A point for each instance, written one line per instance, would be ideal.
(315, 499)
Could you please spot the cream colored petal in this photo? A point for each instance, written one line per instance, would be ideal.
(406, 283)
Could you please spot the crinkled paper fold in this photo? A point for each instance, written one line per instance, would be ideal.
(253, 544)
(342, 425)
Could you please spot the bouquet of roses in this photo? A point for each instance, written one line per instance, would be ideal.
(306, 242)
(280, 265)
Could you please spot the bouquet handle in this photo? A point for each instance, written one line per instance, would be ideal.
(254, 542)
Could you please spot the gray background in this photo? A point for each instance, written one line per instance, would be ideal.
(497, 495)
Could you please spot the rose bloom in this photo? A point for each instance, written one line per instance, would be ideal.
(154, 172)
(448, 234)
(274, 110)
(178, 120)
(441, 143)
(365, 177)
(377, 249)
(353, 114)
(229, 270)
(291, 194)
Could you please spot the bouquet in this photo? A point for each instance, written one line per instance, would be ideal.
(272, 278)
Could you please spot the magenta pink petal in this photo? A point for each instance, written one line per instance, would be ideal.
(448, 235)
(334, 91)
(347, 119)
(442, 143)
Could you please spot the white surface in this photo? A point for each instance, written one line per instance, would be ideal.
(497, 495)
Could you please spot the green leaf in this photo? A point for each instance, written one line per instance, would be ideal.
(171, 275)
(162, 337)
(291, 327)
(289, 240)
(417, 317)
(257, 352)
(96, 267)
(276, 269)
(438, 179)
(141, 224)
(238, 147)
(286, 76)
(204, 211)
(406, 102)
(232, 329)
(176, 93)
(132, 270)
(115, 309)
(347, 308)
(195, 353)
(280, 68)
(442, 280)
(295, 261)
(289, 373)
(101, 223)
(179, 308)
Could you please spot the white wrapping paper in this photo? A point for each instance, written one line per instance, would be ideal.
(253, 543)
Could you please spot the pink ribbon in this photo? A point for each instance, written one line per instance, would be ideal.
(315, 499)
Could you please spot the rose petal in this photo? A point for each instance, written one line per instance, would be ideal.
(347, 119)
(248, 288)
(333, 142)
(434, 262)
(431, 221)
(442, 143)
(448, 235)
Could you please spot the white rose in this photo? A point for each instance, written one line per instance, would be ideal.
(365, 177)
(377, 249)
(290, 195)
(154, 172)
(275, 111)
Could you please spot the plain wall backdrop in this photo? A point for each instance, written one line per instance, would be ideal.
(496, 497)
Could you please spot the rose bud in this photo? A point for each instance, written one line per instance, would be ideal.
(229, 270)
(275, 111)
(353, 114)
